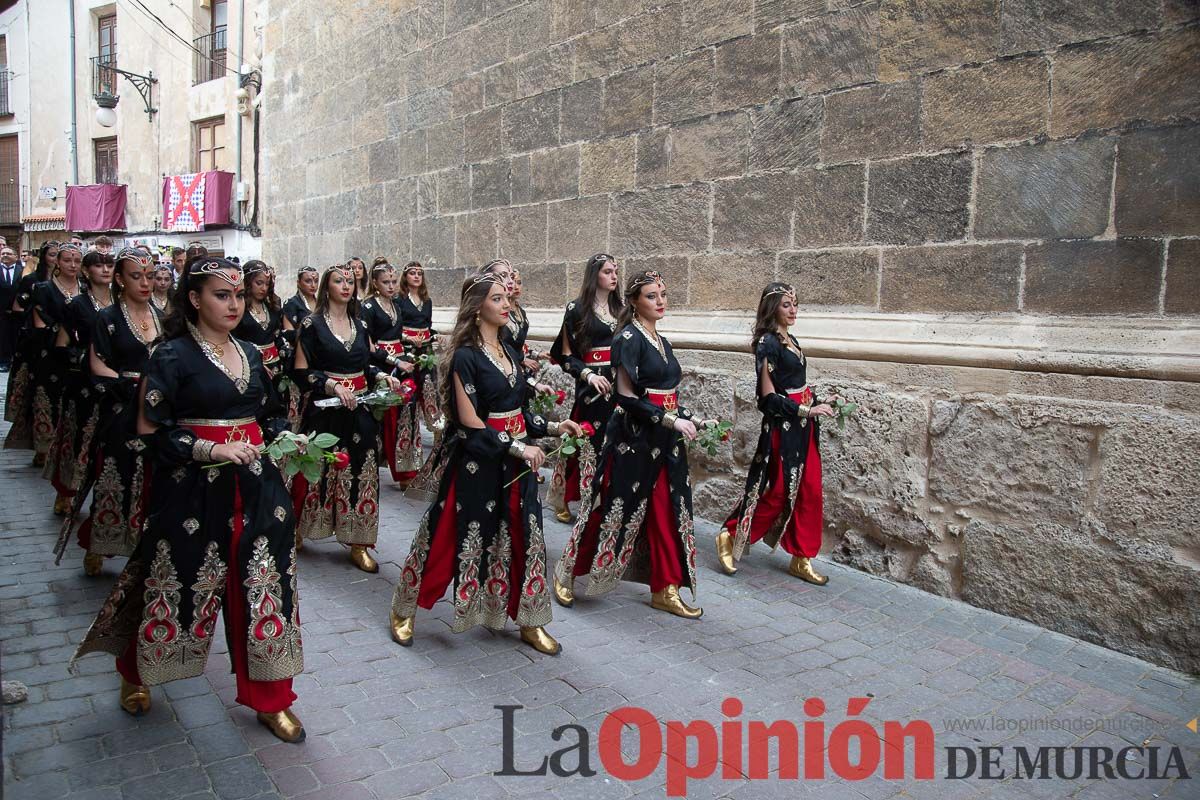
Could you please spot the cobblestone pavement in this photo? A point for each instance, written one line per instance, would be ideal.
(386, 722)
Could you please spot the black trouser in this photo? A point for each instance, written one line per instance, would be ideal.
(9, 323)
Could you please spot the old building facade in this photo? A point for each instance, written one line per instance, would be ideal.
(991, 212)
(63, 53)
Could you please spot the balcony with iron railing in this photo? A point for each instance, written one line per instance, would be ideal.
(5, 105)
(104, 74)
(209, 58)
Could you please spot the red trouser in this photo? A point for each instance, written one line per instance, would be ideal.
(265, 696)
(441, 560)
(802, 536)
(666, 564)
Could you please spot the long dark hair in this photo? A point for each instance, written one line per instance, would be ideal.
(475, 290)
(380, 265)
(41, 271)
(252, 268)
(633, 288)
(423, 289)
(768, 310)
(323, 291)
(182, 311)
(92, 259)
(360, 288)
(586, 302)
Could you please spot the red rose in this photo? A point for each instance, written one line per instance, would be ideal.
(588, 429)
(726, 435)
(408, 387)
(341, 460)
(559, 397)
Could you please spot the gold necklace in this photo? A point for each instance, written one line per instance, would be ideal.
(654, 338)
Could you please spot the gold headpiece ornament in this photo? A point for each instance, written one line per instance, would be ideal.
(784, 290)
(218, 267)
(646, 278)
(139, 257)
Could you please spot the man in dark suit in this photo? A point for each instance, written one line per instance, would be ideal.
(10, 276)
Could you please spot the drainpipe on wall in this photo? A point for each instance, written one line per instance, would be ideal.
(241, 54)
(74, 123)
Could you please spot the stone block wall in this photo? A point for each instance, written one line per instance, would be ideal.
(1033, 162)
(939, 156)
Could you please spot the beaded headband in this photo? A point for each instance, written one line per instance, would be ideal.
(303, 270)
(384, 267)
(72, 246)
(256, 266)
(784, 290)
(496, 262)
(646, 278)
(345, 269)
(218, 267)
(139, 257)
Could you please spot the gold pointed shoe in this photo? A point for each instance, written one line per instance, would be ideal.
(725, 552)
(402, 629)
(93, 564)
(563, 515)
(802, 568)
(563, 595)
(540, 640)
(62, 504)
(135, 699)
(669, 600)
(284, 724)
(360, 558)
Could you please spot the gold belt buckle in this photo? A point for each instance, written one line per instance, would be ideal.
(513, 426)
(347, 382)
(236, 434)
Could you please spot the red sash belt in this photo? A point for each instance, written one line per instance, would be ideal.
(417, 334)
(803, 395)
(510, 422)
(224, 431)
(663, 398)
(393, 347)
(270, 353)
(356, 382)
(599, 357)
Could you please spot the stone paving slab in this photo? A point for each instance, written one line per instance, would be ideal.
(390, 722)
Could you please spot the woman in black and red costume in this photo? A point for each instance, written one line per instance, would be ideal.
(220, 536)
(48, 311)
(333, 360)
(782, 502)
(18, 399)
(583, 350)
(482, 534)
(635, 520)
(69, 456)
(416, 314)
(400, 437)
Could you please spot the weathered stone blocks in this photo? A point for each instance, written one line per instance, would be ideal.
(956, 278)
(577, 228)
(1155, 77)
(753, 213)
(730, 280)
(872, 122)
(1183, 277)
(1158, 183)
(832, 277)
(652, 222)
(923, 35)
(832, 51)
(1051, 190)
(830, 204)
(999, 101)
(1093, 277)
(786, 135)
(921, 199)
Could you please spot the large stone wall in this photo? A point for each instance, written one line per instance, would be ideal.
(946, 155)
(1023, 164)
